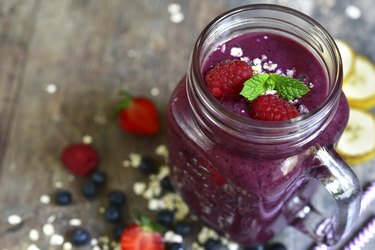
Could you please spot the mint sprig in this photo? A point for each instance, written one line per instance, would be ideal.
(287, 87)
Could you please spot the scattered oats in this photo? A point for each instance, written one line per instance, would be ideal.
(257, 61)
(236, 52)
(148, 194)
(67, 246)
(162, 150)
(196, 246)
(94, 242)
(154, 91)
(290, 72)
(205, 234)
(100, 119)
(96, 248)
(34, 235)
(58, 184)
(233, 246)
(139, 188)
(126, 163)
(104, 239)
(174, 8)
(154, 204)
(264, 58)
(177, 17)
(102, 210)
(272, 67)
(245, 59)
(48, 229)
(51, 88)
(14, 219)
(45, 199)
(182, 211)
(353, 12)
(87, 139)
(75, 222)
(163, 172)
(56, 240)
(51, 219)
(135, 160)
(168, 236)
(33, 247)
(279, 72)
(257, 69)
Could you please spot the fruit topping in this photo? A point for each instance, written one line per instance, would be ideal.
(272, 108)
(225, 80)
(63, 197)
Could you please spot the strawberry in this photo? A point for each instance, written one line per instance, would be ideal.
(225, 80)
(272, 108)
(141, 236)
(138, 115)
(81, 159)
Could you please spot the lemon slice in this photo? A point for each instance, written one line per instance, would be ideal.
(357, 143)
(359, 88)
(347, 55)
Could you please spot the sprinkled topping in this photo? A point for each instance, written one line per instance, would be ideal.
(135, 160)
(14, 219)
(290, 72)
(56, 240)
(75, 222)
(162, 150)
(236, 52)
(126, 163)
(33, 247)
(139, 188)
(353, 12)
(45, 199)
(87, 139)
(67, 246)
(177, 17)
(51, 219)
(51, 88)
(58, 184)
(34, 235)
(48, 229)
(174, 8)
(94, 242)
(154, 91)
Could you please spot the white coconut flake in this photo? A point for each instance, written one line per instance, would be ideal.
(34, 235)
(290, 72)
(174, 8)
(45, 199)
(75, 222)
(14, 219)
(51, 88)
(135, 160)
(139, 188)
(56, 240)
(177, 17)
(94, 242)
(353, 12)
(48, 229)
(58, 184)
(87, 139)
(154, 91)
(236, 52)
(33, 247)
(67, 246)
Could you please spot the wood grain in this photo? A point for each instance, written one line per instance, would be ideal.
(89, 50)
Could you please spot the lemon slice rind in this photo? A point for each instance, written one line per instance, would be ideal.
(348, 56)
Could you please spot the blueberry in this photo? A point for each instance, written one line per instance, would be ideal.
(277, 246)
(255, 247)
(90, 190)
(116, 198)
(99, 177)
(166, 184)
(183, 228)
(112, 214)
(63, 197)
(147, 165)
(165, 218)
(117, 232)
(175, 246)
(80, 236)
(212, 244)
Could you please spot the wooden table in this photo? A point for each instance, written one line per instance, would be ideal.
(62, 64)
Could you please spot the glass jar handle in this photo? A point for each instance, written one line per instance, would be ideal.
(343, 185)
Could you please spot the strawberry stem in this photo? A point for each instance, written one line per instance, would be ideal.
(127, 99)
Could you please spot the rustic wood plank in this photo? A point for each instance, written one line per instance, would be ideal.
(17, 20)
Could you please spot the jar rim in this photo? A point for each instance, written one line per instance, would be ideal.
(326, 106)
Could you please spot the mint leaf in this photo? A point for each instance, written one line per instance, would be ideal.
(256, 86)
(289, 88)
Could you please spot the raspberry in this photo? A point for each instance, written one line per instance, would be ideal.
(225, 80)
(272, 108)
(81, 159)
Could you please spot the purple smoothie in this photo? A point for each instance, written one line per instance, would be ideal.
(246, 196)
